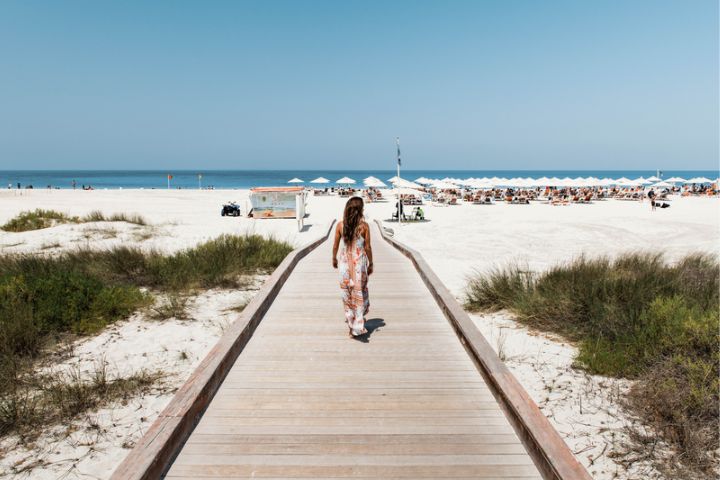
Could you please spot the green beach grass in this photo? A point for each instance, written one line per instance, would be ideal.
(40, 218)
(82, 291)
(634, 317)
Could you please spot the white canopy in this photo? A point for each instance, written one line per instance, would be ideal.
(296, 180)
(422, 180)
(662, 184)
(374, 182)
(642, 181)
(481, 183)
(320, 180)
(443, 185)
(676, 180)
(653, 179)
(402, 183)
(405, 191)
(345, 181)
(626, 182)
(699, 180)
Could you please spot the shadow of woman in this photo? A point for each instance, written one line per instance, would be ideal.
(370, 325)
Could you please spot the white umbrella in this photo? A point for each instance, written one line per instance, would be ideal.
(443, 185)
(374, 182)
(481, 183)
(653, 179)
(422, 180)
(699, 180)
(627, 183)
(320, 180)
(402, 183)
(642, 181)
(662, 184)
(405, 191)
(296, 180)
(676, 180)
(345, 181)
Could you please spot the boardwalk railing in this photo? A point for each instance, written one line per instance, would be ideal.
(153, 454)
(550, 453)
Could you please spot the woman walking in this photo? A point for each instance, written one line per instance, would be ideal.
(355, 263)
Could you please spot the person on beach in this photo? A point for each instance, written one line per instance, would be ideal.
(355, 263)
(651, 196)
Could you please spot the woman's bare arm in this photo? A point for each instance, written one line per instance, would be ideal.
(368, 248)
(336, 244)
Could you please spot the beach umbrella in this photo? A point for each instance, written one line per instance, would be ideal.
(653, 179)
(626, 182)
(481, 183)
(676, 180)
(642, 181)
(422, 181)
(320, 180)
(405, 191)
(345, 181)
(466, 182)
(444, 185)
(402, 183)
(554, 182)
(699, 180)
(374, 182)
(296, 180)
(662, 184)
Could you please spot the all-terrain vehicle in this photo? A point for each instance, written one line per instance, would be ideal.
(230, 209)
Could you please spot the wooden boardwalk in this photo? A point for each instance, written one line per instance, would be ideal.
(304, 401)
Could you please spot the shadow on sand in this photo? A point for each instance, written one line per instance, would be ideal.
(370, 325)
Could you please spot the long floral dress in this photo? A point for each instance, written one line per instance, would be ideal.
(353, 267)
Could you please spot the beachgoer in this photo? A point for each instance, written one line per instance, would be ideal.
(651, 196)
(355, 263)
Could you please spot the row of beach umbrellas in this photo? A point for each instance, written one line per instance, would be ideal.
(453, 183)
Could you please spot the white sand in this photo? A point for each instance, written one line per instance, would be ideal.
(585, 409)
(457, 241)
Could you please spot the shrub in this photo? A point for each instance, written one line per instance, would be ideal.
(81, 292)
(39, 218)
(36, 220)
(634, 317)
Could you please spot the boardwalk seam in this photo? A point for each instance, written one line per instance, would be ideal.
(154, 453)
(548, 450)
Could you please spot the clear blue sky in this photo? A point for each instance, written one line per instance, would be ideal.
(319, 84)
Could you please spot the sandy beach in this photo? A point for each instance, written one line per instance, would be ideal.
(456, 241)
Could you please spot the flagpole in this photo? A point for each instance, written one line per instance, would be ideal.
(400, 209)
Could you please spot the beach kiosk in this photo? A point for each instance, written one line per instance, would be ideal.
(277, 202)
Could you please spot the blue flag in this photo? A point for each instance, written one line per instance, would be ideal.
(398, 149)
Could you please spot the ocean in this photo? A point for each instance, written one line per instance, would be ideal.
(234, 179)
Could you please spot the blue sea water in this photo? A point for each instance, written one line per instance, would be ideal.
(230, 179)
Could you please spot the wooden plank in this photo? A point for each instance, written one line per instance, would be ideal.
(549, 450)
(152, 455)
(301, 400)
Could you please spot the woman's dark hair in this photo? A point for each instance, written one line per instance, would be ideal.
(351, 218)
